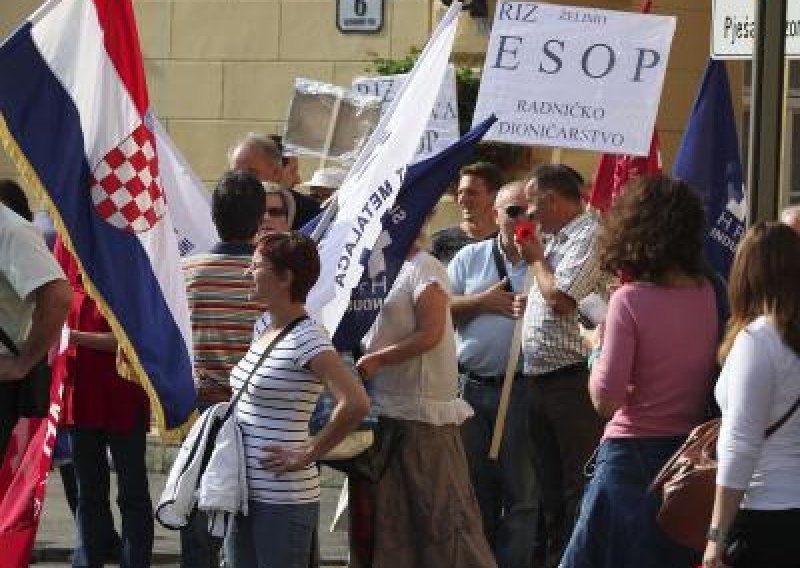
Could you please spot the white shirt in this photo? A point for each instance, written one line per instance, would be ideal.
(423, 388)
(275, 409)
(25, 265)
(759, 382)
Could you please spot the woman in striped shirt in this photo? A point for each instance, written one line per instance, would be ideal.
(273, 412)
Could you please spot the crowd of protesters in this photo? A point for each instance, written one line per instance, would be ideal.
(596, 407)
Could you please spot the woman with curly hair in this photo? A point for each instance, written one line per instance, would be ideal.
(652, 377)
(757, 504)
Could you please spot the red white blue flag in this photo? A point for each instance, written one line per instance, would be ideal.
(75, 118)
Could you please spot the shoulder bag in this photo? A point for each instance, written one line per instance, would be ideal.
(687, 484)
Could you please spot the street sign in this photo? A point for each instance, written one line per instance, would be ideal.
(364, 16)
(733, 29)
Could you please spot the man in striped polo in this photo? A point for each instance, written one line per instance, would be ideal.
(222, 316)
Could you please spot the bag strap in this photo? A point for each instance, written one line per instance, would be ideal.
(289, 327)
(8, 342)
(771, 430)
(500, 263)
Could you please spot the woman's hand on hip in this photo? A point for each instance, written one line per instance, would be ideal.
(280, 459)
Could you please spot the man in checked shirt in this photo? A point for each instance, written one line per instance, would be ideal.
(565, 269)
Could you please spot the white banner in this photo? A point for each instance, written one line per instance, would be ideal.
(374, 180)
(733, 29)
(442, 128)
(574, 77)
(187, 199)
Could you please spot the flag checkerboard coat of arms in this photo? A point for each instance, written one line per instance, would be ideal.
(125, 187)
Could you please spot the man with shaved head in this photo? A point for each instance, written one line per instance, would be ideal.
(488, 280)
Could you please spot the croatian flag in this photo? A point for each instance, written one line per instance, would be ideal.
(76, 120)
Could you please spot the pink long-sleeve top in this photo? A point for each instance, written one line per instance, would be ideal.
(657, 359)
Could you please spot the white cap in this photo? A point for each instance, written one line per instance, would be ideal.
(328, 177)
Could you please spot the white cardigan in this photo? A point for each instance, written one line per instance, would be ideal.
(221, 490)
(759, 382)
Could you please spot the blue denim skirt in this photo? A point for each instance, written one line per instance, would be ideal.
(617, 527)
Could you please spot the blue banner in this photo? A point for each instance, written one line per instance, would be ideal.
(708, 159)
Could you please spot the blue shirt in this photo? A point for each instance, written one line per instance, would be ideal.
(482, 342)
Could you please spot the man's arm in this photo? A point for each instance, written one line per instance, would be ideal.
(532, 252)
(52, 302)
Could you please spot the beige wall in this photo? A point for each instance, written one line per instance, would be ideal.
(220, 68)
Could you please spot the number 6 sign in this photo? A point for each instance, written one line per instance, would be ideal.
(364, 16)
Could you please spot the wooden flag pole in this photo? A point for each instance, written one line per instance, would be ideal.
(508, 381)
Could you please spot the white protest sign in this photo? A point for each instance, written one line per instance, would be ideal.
(373, 182)
(733, 29)
(442, 128)
(574, 77)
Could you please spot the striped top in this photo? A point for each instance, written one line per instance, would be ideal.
(275, 409)
(222, 314)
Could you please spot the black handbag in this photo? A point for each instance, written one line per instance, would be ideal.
(33, 392)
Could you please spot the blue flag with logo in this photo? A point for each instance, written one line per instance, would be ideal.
(424, 184)
(708, 159)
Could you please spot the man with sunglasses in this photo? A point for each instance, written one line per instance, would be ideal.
(565, 268)
(487, 279)
(477, 186)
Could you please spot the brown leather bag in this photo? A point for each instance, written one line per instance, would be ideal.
(687, 483)
(688, 480)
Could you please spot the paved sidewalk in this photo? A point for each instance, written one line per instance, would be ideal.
(56, 531)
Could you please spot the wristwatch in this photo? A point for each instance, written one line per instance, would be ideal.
(717, 535)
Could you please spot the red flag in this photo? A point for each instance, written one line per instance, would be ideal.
(23, 478)
(615, 170)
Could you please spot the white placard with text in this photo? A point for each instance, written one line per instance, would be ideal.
(442, 128)
(574, 77)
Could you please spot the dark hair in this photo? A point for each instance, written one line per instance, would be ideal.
(12, 196)
(654, 227)
(764, 280)
(238, 204)
(293, 252)
(489, 173)
(559, 178)
(576, 174)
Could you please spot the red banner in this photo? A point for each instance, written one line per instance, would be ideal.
(614, 171)
(23, 479)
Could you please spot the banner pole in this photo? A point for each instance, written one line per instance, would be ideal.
(508, 380)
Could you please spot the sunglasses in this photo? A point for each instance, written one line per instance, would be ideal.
(276, 212)
(514, 211)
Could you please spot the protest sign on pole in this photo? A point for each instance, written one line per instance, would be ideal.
(328, 121)
(442, 128)
(574, 77)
